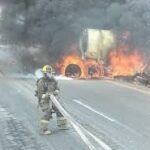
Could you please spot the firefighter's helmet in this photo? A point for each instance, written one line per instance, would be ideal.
(47, 69)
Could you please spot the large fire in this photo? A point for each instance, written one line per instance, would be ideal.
(121, 62)
(124, 62)
(84, 70)
(72, 59)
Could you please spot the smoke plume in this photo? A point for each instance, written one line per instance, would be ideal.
(53, 27)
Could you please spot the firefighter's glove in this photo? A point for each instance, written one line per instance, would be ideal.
(45, 96)
(56, 92)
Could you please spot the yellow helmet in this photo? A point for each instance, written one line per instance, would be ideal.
(47, 69)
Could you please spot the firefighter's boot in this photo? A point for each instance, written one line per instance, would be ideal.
(62, 123)
(44, 127)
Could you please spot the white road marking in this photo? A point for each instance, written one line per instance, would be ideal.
(100, 142)
(82, 135)
(95, 111)
(106, 117)
(129, 87)
(74, 124)
(80, 129)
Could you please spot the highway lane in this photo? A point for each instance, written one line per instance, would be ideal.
(19, 118)
(111, 116)
(118, 115)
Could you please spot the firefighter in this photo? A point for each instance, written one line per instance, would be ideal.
(46, 85)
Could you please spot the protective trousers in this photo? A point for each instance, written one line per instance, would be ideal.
(47, 108)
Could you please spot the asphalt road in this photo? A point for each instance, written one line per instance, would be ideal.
(111, 115)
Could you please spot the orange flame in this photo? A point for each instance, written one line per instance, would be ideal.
(123, 62)
(72, 59)
(84, 65)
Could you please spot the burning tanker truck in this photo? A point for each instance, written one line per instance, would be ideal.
(102, 55)
(94, 46)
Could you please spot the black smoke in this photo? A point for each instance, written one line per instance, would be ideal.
(54, 26)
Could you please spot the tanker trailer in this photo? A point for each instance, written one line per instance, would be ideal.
(95, 45)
